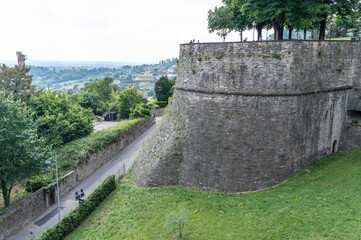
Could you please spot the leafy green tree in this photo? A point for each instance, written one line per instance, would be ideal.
(140, 111)
(89, 99)
(268, 10)
(240, 21)
(22, 152)
(347, 22)
(60, 121)
(16, 81)
(328, 8)
(128, 99)
(220, 20)
(163, 88)
(103, 87)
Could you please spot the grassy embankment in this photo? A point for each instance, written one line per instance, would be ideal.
(74, 153)
(320, 202)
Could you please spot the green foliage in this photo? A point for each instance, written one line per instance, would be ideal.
(103, 87)
(101, 96)
(16, 81)
(219, 21)
(277, 56)
(297, 57)
(77, 216)
(128, 99)
(90, 99)
(22, 152)
(308, 206)
(60, 121)
(219, 55)
(152, 103)
(162, 104)
(163, 88)
(140, 111)
(75, 153)
(34, 183)
(207, 58)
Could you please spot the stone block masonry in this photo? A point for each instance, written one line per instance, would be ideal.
(245, 116)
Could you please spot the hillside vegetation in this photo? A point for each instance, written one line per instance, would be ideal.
(320, 202)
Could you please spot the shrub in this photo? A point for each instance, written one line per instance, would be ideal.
(162, 104)
(152, 103)
(35, 183)
(140, 111)
(128, 99)
(59, 120)
(77, 216)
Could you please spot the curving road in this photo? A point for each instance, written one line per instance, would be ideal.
(118, 165)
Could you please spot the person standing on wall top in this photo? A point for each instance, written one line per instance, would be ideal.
(269, 38)
(191, 41)
(260, 38)
(194, 41)
(245, 40)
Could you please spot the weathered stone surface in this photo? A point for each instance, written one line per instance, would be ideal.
(247, 115)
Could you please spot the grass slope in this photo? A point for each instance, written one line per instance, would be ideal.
(323, 203)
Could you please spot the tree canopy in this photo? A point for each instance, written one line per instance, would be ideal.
(59, 120)
(163, 88)
(22, 152)
(294, 14)
(16, 81)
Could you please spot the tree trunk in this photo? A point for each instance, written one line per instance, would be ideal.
(241, 34)
(6, 193)
(304, 34)
(297, 33)
(278, 27)
(259, 28)
(322, 29)
(290, 34)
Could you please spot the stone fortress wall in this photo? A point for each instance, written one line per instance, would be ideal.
(246, 116)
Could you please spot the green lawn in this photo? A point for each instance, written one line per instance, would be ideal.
(322, 203)
(345, 38)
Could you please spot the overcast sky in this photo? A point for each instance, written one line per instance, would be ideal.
(103, 30)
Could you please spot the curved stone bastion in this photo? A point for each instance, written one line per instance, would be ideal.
(245, 116)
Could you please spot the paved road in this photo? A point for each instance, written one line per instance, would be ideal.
(118, 165)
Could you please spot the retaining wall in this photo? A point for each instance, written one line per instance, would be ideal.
(30, 208)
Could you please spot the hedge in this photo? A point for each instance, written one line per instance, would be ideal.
(78, 215)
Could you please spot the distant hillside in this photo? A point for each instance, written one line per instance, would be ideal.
(73, 78)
